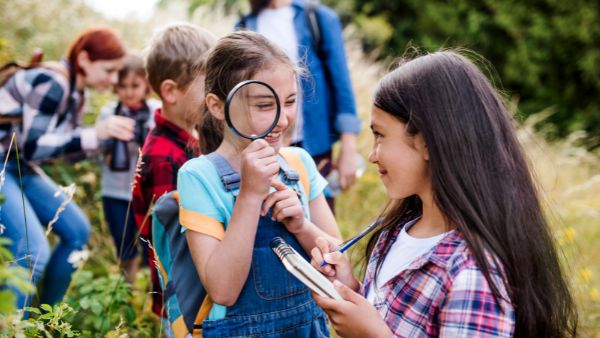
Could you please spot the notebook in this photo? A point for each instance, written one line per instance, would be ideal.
(301, 269)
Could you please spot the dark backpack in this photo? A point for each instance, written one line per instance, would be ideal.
(10, 68)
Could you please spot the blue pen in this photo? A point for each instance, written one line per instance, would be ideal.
(355, 239)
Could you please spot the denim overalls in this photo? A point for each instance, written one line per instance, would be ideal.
(272, 303)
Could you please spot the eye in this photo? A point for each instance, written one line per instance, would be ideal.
(290, 102)
(265, 105)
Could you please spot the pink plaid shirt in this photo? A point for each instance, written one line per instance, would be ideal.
(442, 294)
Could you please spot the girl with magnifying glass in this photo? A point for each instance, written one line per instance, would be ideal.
(237, 198)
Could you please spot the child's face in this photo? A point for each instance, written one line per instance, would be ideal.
(402, 159)
(132, 90)
(283, 80)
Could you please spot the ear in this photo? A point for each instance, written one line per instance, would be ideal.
(83, 59)
(215, 106)
(168, 91)
(422, 146)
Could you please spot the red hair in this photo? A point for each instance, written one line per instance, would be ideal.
(100, 43)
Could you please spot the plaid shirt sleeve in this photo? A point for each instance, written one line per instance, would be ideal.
(470, 309)
(156, 180)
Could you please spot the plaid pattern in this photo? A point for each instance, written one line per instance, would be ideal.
(442, 293)
(51, 115)
(165, 150)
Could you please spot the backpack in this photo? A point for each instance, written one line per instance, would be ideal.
(310, 11)
(10, 68)
(185, 299)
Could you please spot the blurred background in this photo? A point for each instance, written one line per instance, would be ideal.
(543, 55)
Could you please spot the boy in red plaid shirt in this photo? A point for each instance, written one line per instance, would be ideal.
(175, 66)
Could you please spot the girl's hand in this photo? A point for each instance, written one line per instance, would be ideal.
(119, 127)
(338, 266)
(287, 207)
(259, 169)
(354, 316)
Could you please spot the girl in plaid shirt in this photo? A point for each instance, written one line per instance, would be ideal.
(463, 249)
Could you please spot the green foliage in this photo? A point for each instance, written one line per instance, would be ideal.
(102, 302)
(546, 52)
(12, 276)
(49, 322)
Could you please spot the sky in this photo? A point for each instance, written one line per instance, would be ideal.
(121, 9)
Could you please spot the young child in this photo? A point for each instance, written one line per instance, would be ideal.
(117, 176)
(175, 61)
(464, 249)
(237, 198)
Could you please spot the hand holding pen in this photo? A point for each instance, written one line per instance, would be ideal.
(355, 239)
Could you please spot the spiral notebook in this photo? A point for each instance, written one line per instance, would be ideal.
(301, 269)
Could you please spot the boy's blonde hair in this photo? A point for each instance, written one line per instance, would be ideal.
(177, 52)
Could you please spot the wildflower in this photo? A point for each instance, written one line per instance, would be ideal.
(585, 275)
(69, 191)
(594, 294)
(138, 169)
(569, 234)
(78, 257)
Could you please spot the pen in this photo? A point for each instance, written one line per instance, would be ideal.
(355, 239)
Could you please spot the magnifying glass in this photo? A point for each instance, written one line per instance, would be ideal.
(252, 109)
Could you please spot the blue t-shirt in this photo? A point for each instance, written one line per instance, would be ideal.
(202, 194)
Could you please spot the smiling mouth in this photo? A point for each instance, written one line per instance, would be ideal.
(273, 137)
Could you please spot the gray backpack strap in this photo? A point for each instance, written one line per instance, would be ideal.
(289, 173)
(228, 175)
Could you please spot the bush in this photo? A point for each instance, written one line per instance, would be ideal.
(545, 52)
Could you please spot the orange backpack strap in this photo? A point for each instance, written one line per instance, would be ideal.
(294, 160)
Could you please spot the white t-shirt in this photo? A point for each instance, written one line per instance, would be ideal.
(402, 253)
(277, 25)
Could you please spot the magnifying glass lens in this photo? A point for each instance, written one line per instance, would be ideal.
(253, 110)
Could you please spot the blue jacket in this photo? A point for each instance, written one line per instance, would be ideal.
(328, 109)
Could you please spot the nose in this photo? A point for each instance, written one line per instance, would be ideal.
(114, 78)
(373, 155)
(287, 116)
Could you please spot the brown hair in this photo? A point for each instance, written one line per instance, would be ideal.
(235, 58)
(100, 43)
(481, 183)
(178, 53)
(133, 64)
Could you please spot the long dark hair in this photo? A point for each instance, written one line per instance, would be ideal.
(482, 184)
(235, 58)
(258, 5)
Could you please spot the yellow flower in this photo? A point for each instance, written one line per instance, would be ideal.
(569, 234)
(594, 294)
(585, 275)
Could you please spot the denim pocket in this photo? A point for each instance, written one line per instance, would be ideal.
(271, 279)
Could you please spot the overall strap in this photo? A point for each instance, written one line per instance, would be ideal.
(289, 173)
(228, 175)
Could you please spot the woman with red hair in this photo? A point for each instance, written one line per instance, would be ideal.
(48, 101)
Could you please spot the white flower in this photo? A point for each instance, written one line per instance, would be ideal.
(78, 257)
